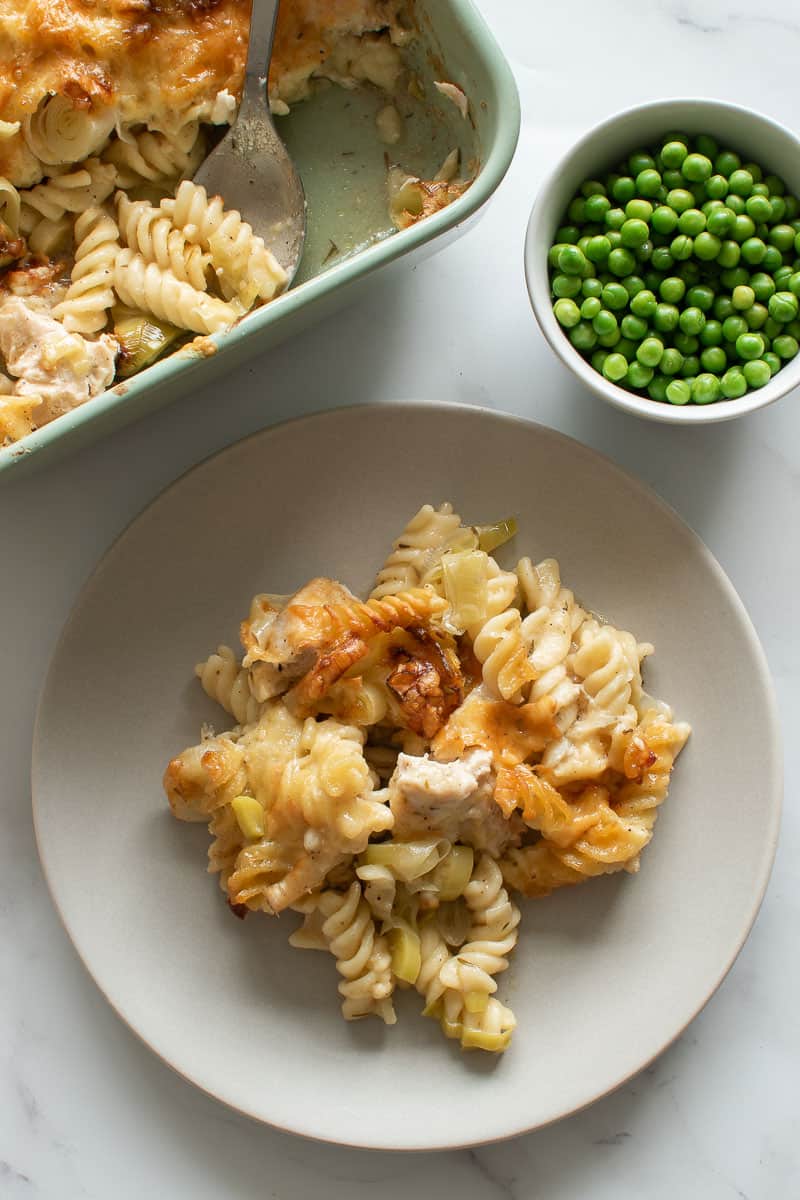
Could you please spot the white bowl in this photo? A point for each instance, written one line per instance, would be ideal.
(605, 976)
(750, 134)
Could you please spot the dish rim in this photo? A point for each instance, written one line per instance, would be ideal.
(774, 779)
(537, 279)
(126, 400)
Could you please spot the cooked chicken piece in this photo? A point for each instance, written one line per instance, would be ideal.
(454, 800)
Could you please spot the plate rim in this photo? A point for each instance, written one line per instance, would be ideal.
(774, 777)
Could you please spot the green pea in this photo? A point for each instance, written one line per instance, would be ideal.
(661, 258)
(634, 232)
(757, 373)
(598, 358)
(571, 260)
(691, 221)
(614, 296)
(706, 144)
(681, 247)
(639, 375)
(783, 306)
(777, 208)
(652, 279)
(633, 327)
(711, 333)
(598, 249)
(582, 336)
(700, 296)
(657, 388)
(603, 321)
(590, 308)
(775, 184)
(750, 345)
(577, 210)
(705, 389)
(638, 210)
(743, 297)
(782, 278)
(633, 284)
(566, 286)
(756, 317)
(714, 359)
(696, 168)
(614, 218)
(673, 154)
(758, 208)
(741, 182)
(755, 171)
(567, 313)
(596, 207)
(717, 187)
(627, 348)
(772, 361)
(671, 361)
(753, 250)
(614, 238)
(650, 351)
(792, 207)
(640, 161)
(672, 179)
(733, 383)
(680, 199)
(672, 289)
(734, 278)
(643, 304)
(733, 327)
(743, 228)
(687, 343)
(621, 261)
(772, 259)
(735, 204)
(665, 318)
(583, 242)
(644, 252)
(615, 367)
(771, 328)
(722, 307)
(608, 339)
(782, 237)
(692, 320)
(785, 346)
(648, 182)
(593, 187)
(707, 246)
(711, 206)
(688, 271)
(679, 392)
(720, 221)
(793, 328)
(664, 219)
(763, 285)
(624, 189)
(726, 162)
(553, 253)
(690, 367)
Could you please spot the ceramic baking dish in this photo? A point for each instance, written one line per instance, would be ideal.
(334, 141)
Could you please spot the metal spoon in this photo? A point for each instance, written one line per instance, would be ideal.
(250, 167)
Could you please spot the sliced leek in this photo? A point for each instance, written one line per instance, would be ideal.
(453, 873)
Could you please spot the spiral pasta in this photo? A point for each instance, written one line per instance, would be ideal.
(148, 232)
(74, 191)
(247, 269)
(90, 294)
(225, 680)
(152, 289)
(398, 768)
(153, 157)
(60, 132)
(423, 541)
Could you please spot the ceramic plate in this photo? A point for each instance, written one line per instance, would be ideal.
(605, 975)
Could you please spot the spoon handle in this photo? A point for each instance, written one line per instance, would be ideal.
(263, 14)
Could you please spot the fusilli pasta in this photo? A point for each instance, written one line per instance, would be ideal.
(90, 295)
(155, 290)
(148, 232)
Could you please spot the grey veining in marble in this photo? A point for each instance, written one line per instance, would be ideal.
(85, 1110)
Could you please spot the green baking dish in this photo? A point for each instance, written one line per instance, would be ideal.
(341, 255)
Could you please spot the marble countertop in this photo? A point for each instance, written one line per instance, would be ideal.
(85, 1109)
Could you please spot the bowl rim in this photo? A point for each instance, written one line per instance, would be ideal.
(536, 278)
(126, 400)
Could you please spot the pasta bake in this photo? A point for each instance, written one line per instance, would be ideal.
(401, 769)
(109, 255)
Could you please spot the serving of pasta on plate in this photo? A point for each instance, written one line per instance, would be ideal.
(400, 766)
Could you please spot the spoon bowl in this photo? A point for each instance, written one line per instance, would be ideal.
(250, 167)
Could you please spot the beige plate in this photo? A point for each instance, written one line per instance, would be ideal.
(606, 975)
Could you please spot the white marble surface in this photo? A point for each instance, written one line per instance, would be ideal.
(85, 1110)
